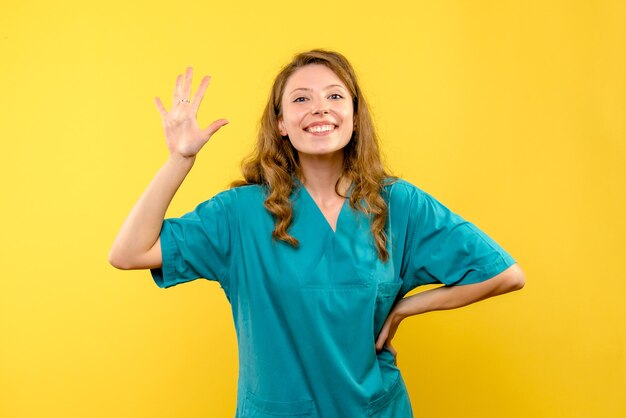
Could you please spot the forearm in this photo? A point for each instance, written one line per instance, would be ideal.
(450, 297)
(141, 229)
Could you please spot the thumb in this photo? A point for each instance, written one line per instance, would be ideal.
(212, 128)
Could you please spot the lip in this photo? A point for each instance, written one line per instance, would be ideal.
(320, 123)
(323, 133)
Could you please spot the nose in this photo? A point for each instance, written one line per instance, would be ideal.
(320, 108)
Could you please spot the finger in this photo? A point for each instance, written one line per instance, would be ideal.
(393, 351)
(380, 342)
(392, 332)
(160, 107)
(382, 337)
(197, 98)
(187, 84)
(212, 128)
(177, 87)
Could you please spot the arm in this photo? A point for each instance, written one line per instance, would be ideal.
(449, 297)
(137, 245)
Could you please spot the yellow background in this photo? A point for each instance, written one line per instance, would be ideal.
(512, 113)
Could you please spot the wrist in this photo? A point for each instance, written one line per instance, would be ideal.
(409, 306)
(401, 310)
(179, 160)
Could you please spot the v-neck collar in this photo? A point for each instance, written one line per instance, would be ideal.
(320, 212)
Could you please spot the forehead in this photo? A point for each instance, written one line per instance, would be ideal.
(312, 76)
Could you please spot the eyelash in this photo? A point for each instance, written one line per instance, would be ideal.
(297, 99)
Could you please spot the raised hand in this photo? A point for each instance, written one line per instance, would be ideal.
(182, 133)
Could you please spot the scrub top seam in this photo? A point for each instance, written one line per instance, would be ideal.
(411, 235)
(173, 252)
(417, 228)
(504, 258)
(489, 270)
(233, 233)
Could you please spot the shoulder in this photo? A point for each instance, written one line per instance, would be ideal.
(403, 196)
(230, 205)
(241, 198)
(398, 191)
(233, 197)
(248, 192)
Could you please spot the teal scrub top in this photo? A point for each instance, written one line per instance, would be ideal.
(307, 318)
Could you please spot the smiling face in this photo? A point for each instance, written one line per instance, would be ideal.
(317, 111)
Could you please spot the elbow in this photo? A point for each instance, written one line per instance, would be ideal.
(126, 260)
(515, 279)
(118, 262)
(518, 283)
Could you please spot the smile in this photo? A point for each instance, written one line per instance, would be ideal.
(321, 128)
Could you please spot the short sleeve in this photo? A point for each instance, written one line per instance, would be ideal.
(442, 247)
(198, 244)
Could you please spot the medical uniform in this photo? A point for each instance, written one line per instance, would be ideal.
(307, 318)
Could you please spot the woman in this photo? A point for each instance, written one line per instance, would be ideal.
(315, 249)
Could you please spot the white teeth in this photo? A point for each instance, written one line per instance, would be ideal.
(321, 128)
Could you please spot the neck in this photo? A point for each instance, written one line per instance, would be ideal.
(321, 173)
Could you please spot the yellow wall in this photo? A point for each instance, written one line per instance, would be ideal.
(510, 112)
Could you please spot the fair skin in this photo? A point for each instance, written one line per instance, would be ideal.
(318, 119)
(447, 297)
(314, 96)
(137, 245)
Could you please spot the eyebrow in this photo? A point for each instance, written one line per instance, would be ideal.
(327, 87)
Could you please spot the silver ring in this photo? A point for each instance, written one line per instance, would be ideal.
(185, 100)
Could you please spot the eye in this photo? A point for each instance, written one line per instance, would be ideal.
(336, 96)
(299, 99)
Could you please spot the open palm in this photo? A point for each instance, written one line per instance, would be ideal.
(182, 133)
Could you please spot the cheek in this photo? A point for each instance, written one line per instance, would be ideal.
(288, 126)
(347, 113)
(349, 119)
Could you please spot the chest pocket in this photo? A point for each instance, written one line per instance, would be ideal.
(256, 407)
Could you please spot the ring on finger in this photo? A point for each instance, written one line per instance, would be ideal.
(185, 100)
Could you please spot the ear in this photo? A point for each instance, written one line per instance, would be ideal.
(281, 127)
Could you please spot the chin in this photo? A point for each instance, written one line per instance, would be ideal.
(319, 152)
(319, 147)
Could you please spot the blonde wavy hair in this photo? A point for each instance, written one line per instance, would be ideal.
(274, 161)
